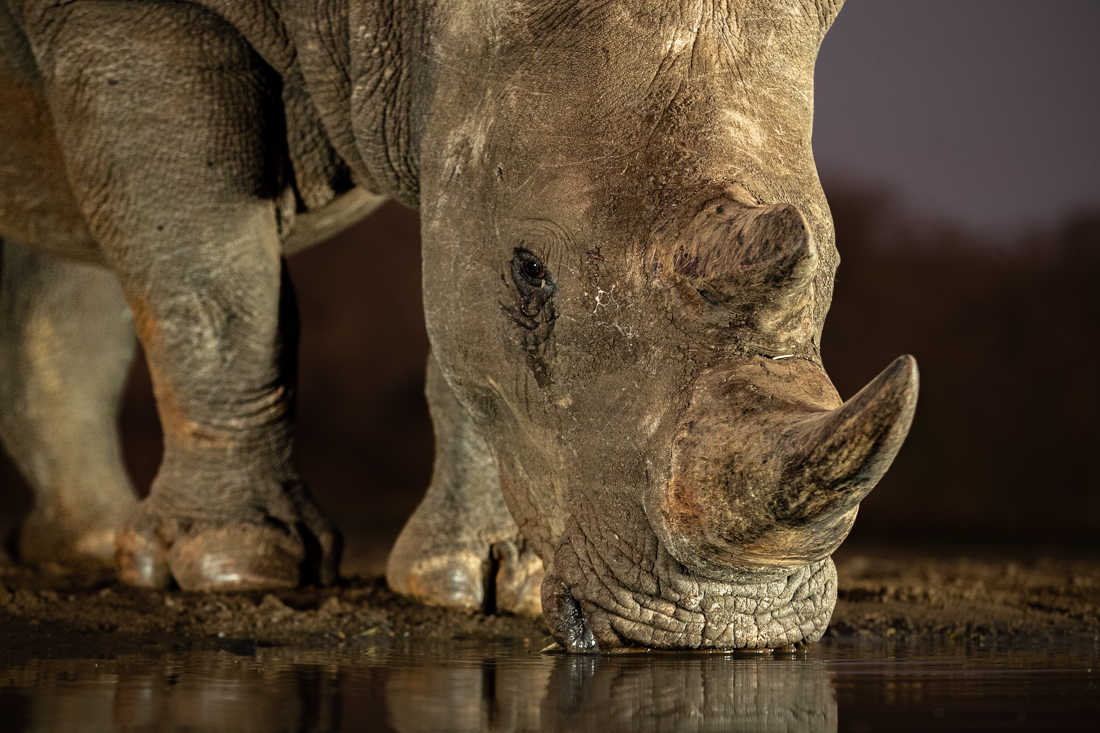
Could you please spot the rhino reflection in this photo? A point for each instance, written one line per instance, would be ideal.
(505, 689)
(689, 695)
(492, 696)
(200, 692)
(230, 694)
(616, 693)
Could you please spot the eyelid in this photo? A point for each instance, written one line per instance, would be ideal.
(534, 248)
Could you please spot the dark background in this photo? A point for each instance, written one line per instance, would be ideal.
(956, 145)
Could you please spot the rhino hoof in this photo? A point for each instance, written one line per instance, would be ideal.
(456, 580)
(518, 581)
(142, 561)
(38, 545)
(151, 553)
(240, 556)
(506, 579)
(73, 533)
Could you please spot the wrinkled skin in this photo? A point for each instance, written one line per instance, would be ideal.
(628, 259)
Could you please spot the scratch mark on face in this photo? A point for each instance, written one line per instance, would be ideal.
(601, 303)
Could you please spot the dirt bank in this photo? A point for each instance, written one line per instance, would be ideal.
(900, 592)
(896, 594)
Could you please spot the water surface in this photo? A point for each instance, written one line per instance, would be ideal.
(404, 685)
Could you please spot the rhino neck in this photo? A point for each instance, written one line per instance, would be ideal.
(354, 88)
(358, 60)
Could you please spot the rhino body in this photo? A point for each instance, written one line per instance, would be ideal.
(628, 259)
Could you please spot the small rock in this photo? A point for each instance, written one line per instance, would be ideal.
(272, 606)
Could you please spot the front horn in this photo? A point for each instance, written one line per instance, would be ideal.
(769, 466)
(835, 458)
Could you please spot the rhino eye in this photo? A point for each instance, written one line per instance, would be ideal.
(533, 270)
(528, 271)
(533, 310)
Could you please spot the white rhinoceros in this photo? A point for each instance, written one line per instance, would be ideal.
(628, 259)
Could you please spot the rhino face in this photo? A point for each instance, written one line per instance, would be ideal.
(628, 259)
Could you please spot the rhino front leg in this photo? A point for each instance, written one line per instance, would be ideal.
(227, 508)
(461, 547)
(174, 143)
(66, 343)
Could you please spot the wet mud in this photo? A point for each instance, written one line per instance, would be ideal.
(58, 610)
(906, 594)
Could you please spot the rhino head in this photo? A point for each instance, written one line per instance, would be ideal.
(628, 259)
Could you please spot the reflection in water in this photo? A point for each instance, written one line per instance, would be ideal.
(692, 694)
(200, 691)
(490, 695)
(628, 693)
(474, 687)
(455, 690)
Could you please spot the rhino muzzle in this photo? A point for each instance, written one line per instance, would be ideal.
(753, 608)
(767, 472)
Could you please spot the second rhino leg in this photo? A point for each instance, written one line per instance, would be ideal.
(66, 343)
(461, 546)
(227, 508)
(173, 139)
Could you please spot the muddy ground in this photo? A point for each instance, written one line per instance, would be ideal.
(896, 593)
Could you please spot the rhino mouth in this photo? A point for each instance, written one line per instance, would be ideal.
(589, 609)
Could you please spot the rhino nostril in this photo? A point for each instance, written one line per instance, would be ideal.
(565, 618)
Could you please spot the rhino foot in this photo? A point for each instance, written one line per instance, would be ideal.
(517, 579)
(507, 578)
(271, 551)
(461, 548)
(50, 534)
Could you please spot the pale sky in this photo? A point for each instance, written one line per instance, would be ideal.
(984, 113)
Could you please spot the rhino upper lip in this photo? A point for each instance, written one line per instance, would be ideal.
(756, 607)
(776, 623)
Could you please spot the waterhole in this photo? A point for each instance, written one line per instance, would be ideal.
(402, 684)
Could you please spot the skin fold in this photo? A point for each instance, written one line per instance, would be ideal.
(628, 259)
